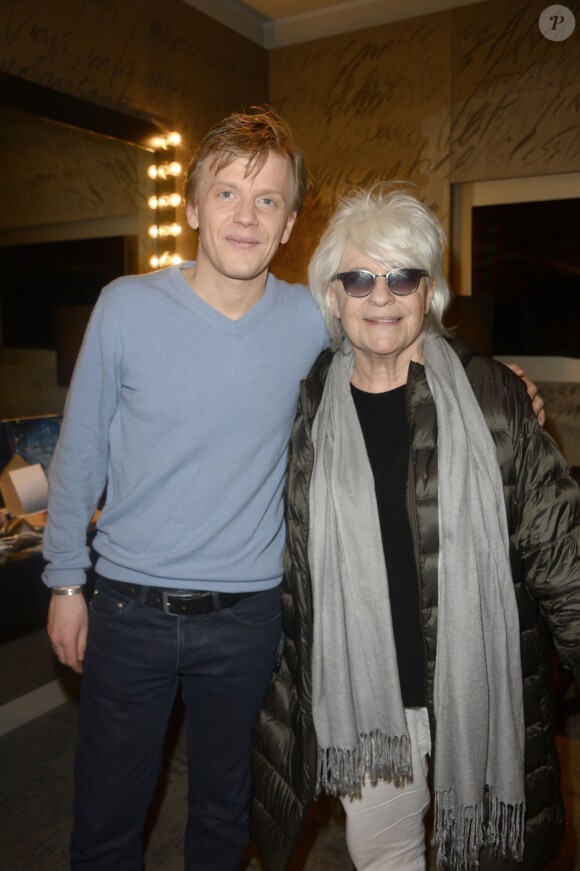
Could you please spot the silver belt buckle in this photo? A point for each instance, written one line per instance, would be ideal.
(167, 605)
(170, 607)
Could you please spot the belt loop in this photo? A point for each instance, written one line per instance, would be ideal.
(215, 597)
(142, 595)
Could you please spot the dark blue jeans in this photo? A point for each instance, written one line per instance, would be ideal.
(137, 657)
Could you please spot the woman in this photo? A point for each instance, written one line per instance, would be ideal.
(433, 535)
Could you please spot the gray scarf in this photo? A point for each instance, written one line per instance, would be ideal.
(358, 713)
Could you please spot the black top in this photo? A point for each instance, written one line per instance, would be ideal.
(383, 420)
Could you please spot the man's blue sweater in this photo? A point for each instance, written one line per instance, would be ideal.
(185, 415)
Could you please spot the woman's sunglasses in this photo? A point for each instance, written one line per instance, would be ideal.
(401, 282)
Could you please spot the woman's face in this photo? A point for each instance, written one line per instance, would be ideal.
(381, 326)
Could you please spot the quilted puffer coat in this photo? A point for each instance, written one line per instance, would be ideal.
(543, 512)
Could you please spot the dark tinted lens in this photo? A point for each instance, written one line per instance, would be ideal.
(359, 282)
(405, 281)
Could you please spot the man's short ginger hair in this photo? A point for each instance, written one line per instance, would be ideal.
(253, 136)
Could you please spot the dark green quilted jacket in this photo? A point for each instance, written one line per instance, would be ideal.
(543, 511)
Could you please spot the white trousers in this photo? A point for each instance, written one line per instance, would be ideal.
(385, 828)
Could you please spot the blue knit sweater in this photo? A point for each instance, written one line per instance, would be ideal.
(185, 415)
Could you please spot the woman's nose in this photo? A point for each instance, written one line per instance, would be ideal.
(381, 293)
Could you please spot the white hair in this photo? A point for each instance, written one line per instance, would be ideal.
(385, 224)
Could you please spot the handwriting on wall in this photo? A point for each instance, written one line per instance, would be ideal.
(377, 109)
(61, 174)
(476, 93)
(167, 60)
(164, 61)
(516, 106)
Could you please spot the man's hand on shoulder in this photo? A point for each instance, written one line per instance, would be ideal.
(67, 629)
(532, 388)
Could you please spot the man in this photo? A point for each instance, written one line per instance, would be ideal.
(182, 404)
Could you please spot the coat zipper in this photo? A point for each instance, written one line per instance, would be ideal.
(414, 525)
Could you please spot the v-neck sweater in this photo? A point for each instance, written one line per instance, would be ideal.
(185, 415)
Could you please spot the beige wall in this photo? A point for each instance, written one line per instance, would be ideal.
(64, 183)
(515, 94)
(471, 94)
(161, 61)
(156, 59)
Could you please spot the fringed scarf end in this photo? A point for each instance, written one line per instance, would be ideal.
(461, 832)
(376, 757)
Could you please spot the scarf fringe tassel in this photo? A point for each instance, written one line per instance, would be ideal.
(376, 757)
(461, 832)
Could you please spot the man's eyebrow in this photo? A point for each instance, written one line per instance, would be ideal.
(271, 192)
(221, 181)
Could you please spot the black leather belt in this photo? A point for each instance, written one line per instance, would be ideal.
(180, 602)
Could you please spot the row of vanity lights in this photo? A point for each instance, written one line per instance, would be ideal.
(164, 172)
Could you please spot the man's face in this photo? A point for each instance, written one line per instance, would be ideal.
(242, 219)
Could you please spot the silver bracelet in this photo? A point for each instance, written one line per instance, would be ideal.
(66, 591)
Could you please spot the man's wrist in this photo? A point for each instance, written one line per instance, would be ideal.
(67, 591)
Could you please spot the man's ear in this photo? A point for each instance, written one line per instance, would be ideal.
(191, 214)
(288, 228)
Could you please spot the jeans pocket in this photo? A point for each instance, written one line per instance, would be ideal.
(108, 602)
(260, 610)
